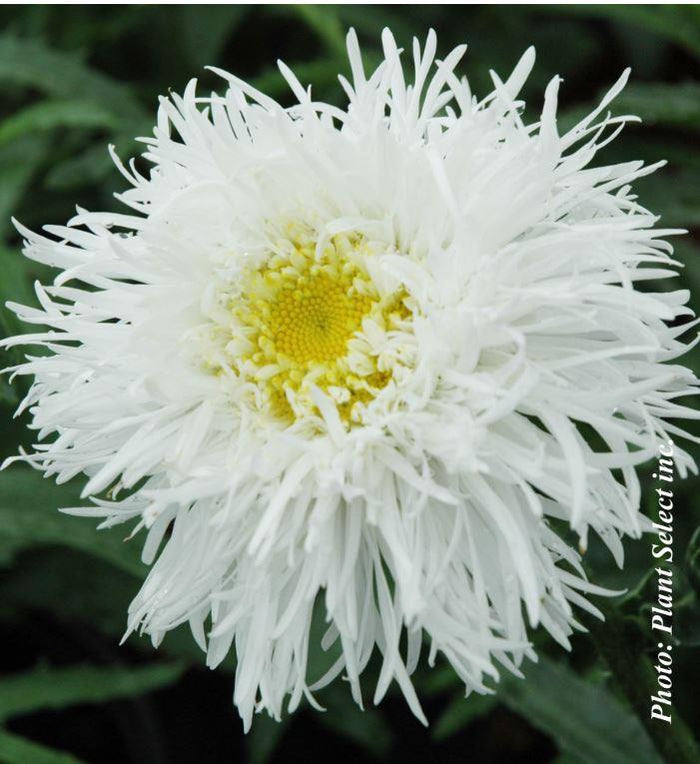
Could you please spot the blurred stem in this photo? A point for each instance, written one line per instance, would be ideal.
(620, 641)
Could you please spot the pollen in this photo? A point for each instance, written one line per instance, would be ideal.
(303, 318)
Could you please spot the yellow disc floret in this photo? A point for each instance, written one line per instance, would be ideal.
(313, 319)
(298, 323)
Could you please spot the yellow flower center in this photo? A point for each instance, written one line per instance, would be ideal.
(312, 319)
(300, 321)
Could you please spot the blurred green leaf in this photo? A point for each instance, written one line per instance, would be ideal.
(264, 737)
(44, 688)
(101, 606)
(677, 23)
(368, 728)
(205, 33)
(326, 24)
(90, 167)
(686, 624)
(32, 64)
(440, 679)
(638, 602)
(18, 164)
(7, 397)
(625, 644)
(8, 547)
(15, 749)
(692, 561)
(588, 723)
(50, 114)
(665, 104)
(15, 285)
(460, 712)
(29, 516)
(673, 194)
(369, 20)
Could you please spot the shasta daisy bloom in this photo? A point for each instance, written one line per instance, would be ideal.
(338, 366)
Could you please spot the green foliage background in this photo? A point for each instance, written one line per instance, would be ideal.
(76, 78)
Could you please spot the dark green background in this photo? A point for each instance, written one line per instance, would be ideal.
(74, 79)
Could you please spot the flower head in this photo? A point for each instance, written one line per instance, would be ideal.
(342, 366)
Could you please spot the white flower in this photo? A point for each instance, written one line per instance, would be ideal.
(344, 360)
